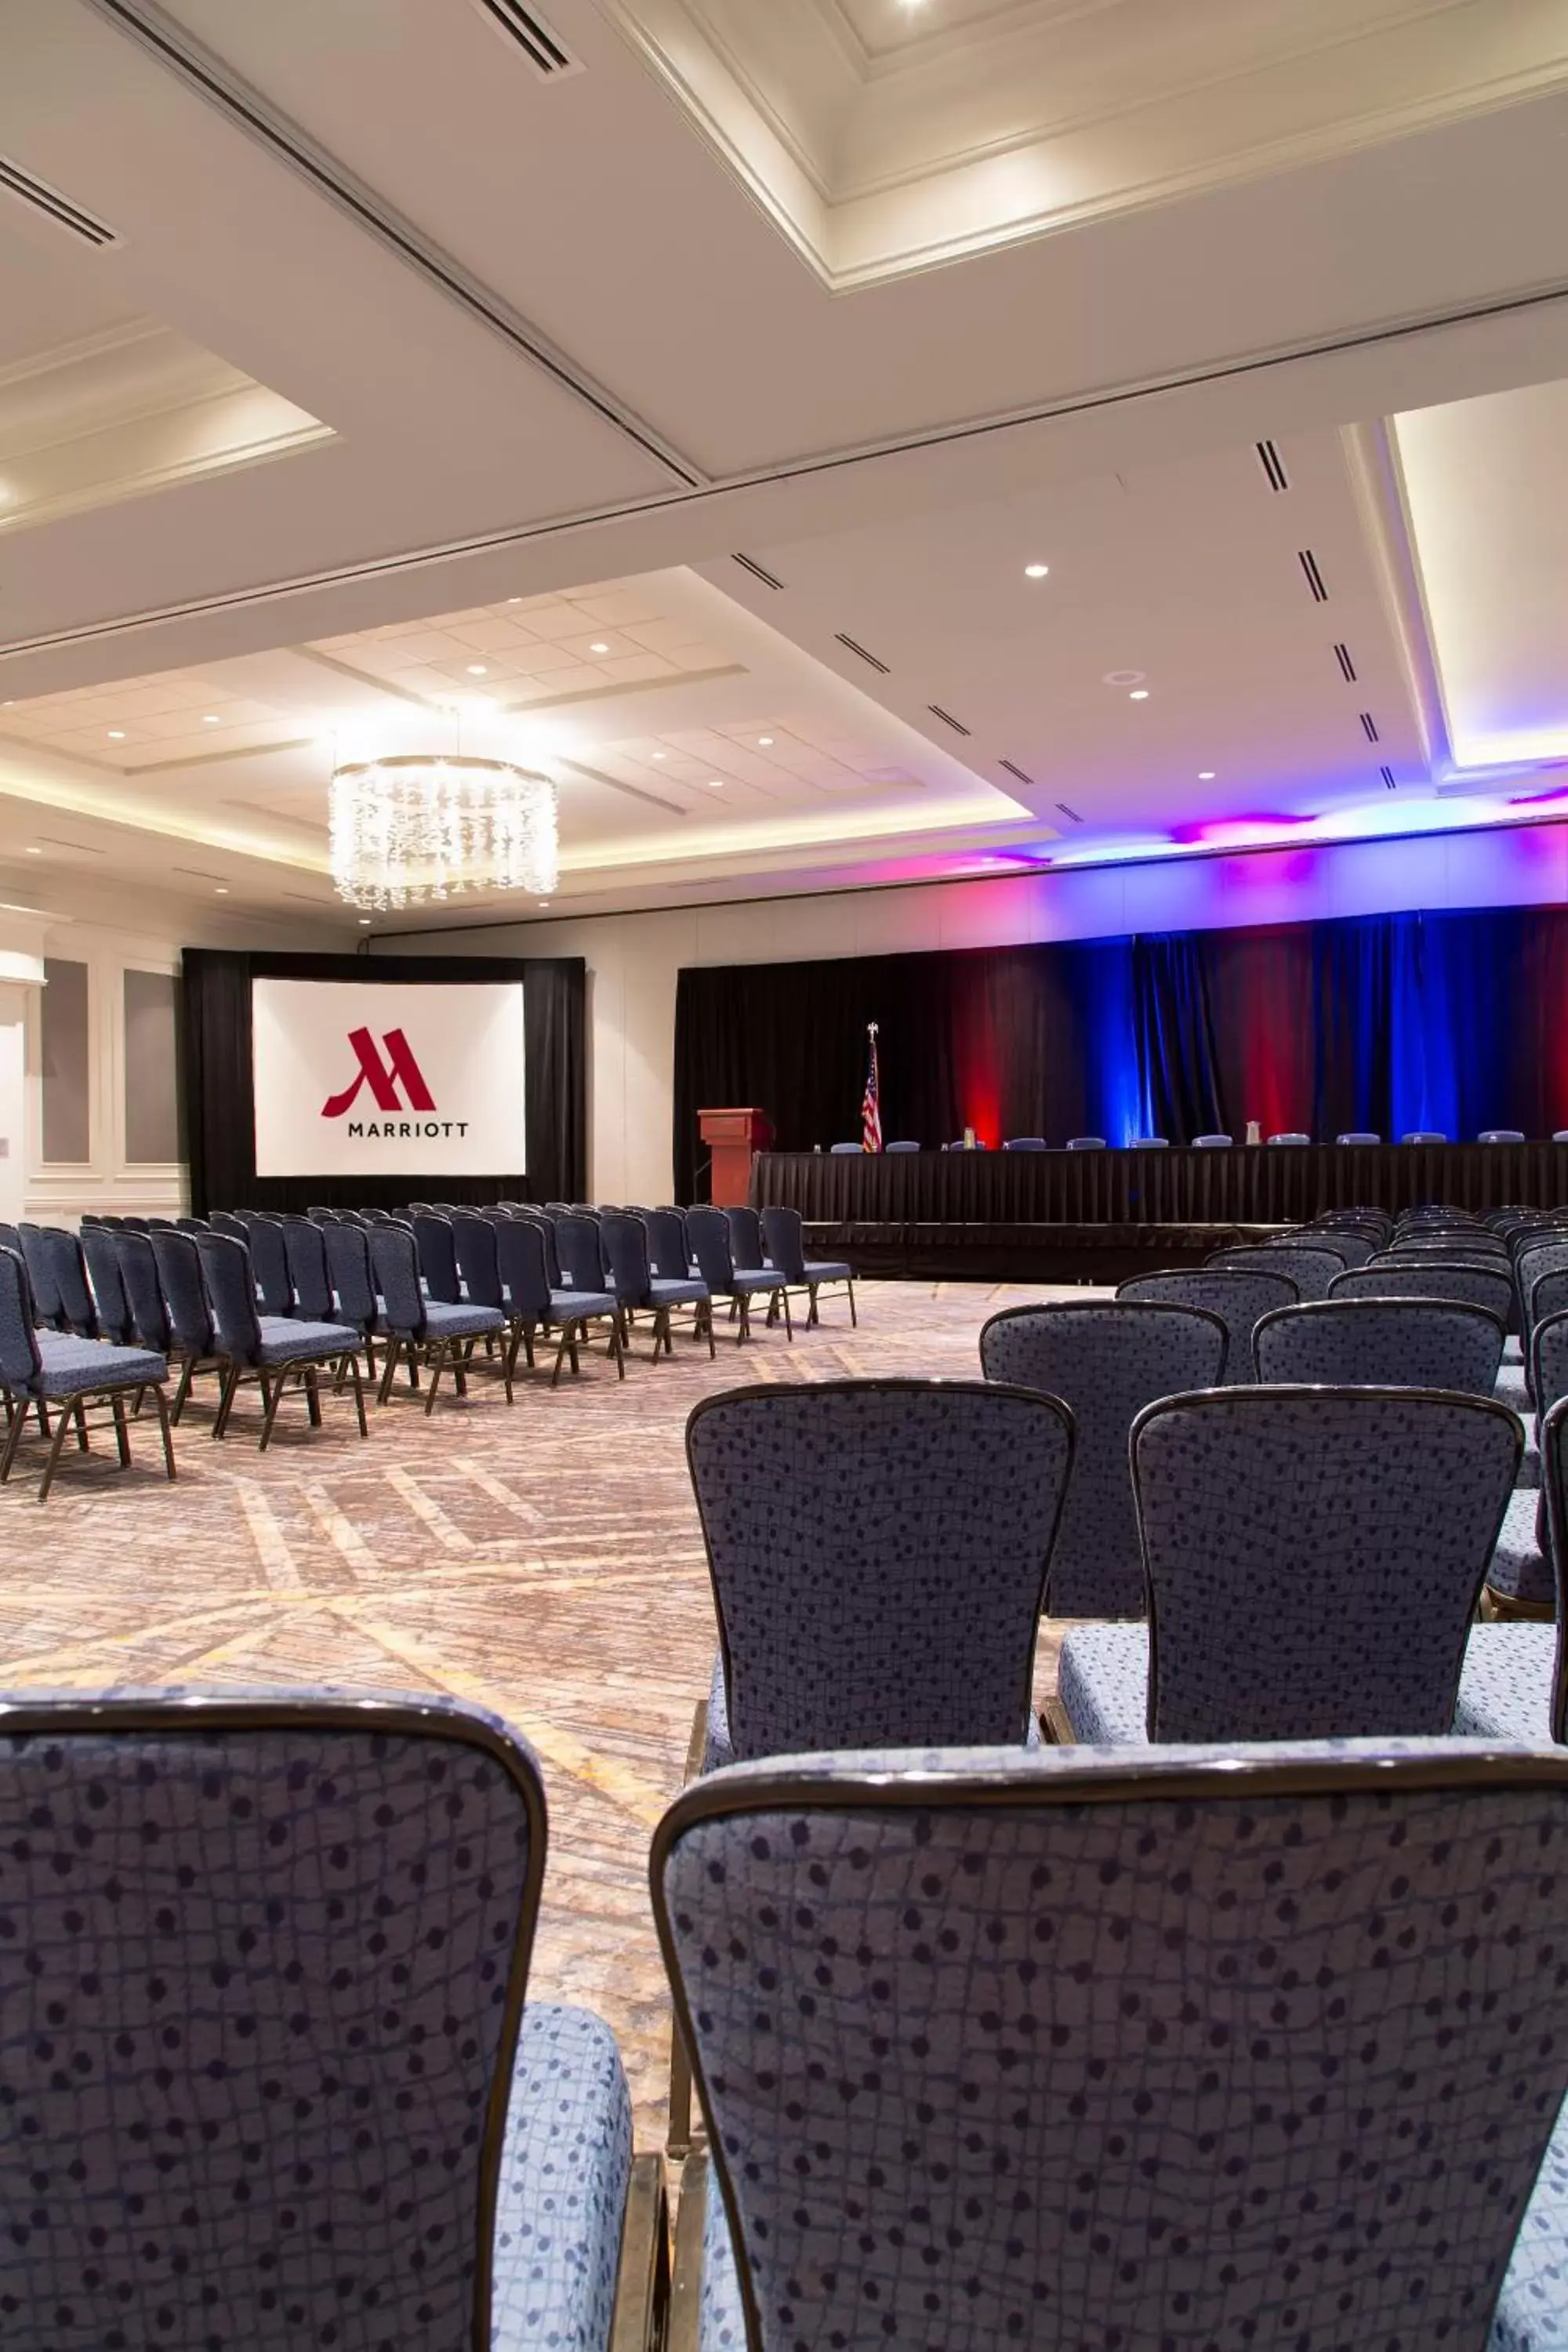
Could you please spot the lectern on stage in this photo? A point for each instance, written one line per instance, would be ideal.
(734, 1138)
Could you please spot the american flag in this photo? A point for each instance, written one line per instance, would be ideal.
(870, 1101)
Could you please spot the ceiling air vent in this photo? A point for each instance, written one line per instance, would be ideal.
(1369, 726)
(527, 30)
(1347, 666)
(1273, 465)
(1071, 815)
(1309, 563)
(849, 643)
(1014, 770)
(1386, 772)
(948, 719)
(758, 571)
(55, 207)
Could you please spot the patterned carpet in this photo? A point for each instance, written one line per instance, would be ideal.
(545, 1561)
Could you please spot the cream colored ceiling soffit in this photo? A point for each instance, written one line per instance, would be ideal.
(136, 408)
(884, 139)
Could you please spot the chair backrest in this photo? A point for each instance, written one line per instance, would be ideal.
(1105, 1361)
(1353, 1248)
(1086, 1143)
(901, 1147)
(194, 1224)
(1213, 1142)
(437, 1248)
(1554, 1495)
(1111, 2050)
(224, 1221)
(1482, 1286)
(1338, 1244)
(350, 1275)
(1424, 1134)
(1150, 1143)
(479, 1258)
(580, 1246)
(150, 1322)
(546, 1228)
(783, 1236)
(1500, 1135)
(293, 1982)
(112, 1302)
(226, 1270)
(1315, 1557)
(1311, 1270)
(269, 1264)
(19, 1365)
(1290, 1138)
(838, 1149)
(39, 1262)
(1417, 1343)
(525, 1268)
(878, 1550)
(1025, 1143)
(185, 1292)
(666, 1248)
(625, 1239)
(745, 1238)
(1239, 1298)
(1364, 1135)
(708, 1231)
(305, 1253)
(67, 1268)
(395, 1258)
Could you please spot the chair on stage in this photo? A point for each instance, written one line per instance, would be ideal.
(901, 1146)
(1207, 1143)
(1423, 1135)
(1087, 1143)
(1238, 1297)
(1361, 1137)
(1025, 1143)
(1314, 1560)
(1150, 1143)
(840, 1151)
(1289, 1138)
(1501, 1135)
(1105, 1361)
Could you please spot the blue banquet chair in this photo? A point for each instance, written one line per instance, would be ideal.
(1239, 1298)
(708, 1231)
(1290, 1136)
(417, 1327)
(1420, 1343)
(1213, 1142)
(43, 1369)
(1025, 1143)
(1501, 1135)
(280, 2082)
(271, 1348)
(639, 1289)
(1359, 1136)
(1515, 1682)
(1309, 1268)
(783, 1234)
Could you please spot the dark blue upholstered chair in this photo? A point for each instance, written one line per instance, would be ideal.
(1086, 1143)
(1415, 1343)
(420, 1328)
(1522, 1580)
(1025, 1143)
(1213, 1142)
(110, 1299)
(669, 1251)
(1311, 1270)
(67, 1271)
(1239, 1298)
(1314, 1559)
(1501, 1135)
(438, 1250)
(269, 1264)
(35, 1256)
(838, 1150)
(1429, 1277)
(477, 1262)
(1065, 2049)
(785, 1235)
(268, 1349)
(901, 1146)
(878, 1550)
(192, 1339)
(1104, 1362)
(1353, 1248)
(1290, 1136)
(639, 1290)
(38, 1370)
(1338, 1245)
(224, 1221)
(586, 1294)
(191, 1224)
(1424, 1134)
(1362, 1135)
(1150, 1143)
(1515, 1682)
(747, 1246)
(281, 2079)
(708, 1231)
(305, 1253)
(353, 1281)
(525, 1284)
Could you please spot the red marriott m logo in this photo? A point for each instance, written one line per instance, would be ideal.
(383, 1077)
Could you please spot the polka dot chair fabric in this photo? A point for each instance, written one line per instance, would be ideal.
(1393, 1343)
(878, 1550)
(1311, 1270)
(1315, 1555)
(1481, 1286)
(264, 1965)
(1075, 2051)
(1238, 1299)
(1106, 1361)
(1505, 1691)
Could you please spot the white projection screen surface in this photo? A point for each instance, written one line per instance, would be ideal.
(386, 1079)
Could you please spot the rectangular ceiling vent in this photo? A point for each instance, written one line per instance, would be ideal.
(1369, 726)
(1014, 770)
(948, 719)
(1071, 815)
(1386, 772)
(1273, 465)
(53, 205)
(1347, 666)
(758, 571)
(548, 55)
(849, 643)
(1309, 563)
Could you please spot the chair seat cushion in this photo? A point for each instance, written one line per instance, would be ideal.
(1531, 2314)
(1519, 1567)
(447, 1322)
(1509, 1389)
(677, 1293)
(560, 2200)
(1513, 1349)
(718, 1751)
(566, 1306)
(750, 1278)
(285, 1342)
(827, 1269)
(74, 1367)
(1505, 1691)
(1103, 1685)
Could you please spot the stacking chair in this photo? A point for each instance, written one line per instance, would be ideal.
(1361, 1136)
(1066, 2050)
(1150, 1143)
(1350, 1247)
(1311, 1269)
(1418, 1343)
(1522, 1580)
(901, 1146)
(192, 1340)
(477, 1257)
(41, 1370)
(418, 1327)
(747, 1246)
(269, 1348)
(585, 1276)
(284, 2087)
(1515, 1682)
(190, 1224)
(638, 1289)
(224, 1221)
(840, 1151)
(785, 1235)
(48, 1305)
(1314, 1557)
(533, 1303)
(1239, 1298)
(67, 1271)
(1086, 1143)
(1501, 1135)
(1290, 1138)
(269, 1265)
(1424, 1134)
(437, 1248)
(1104, 1362)
(1025, 1143)
(1213, 1142)
(708, 1231)
(110, 1299)
(305, 1254)
(353, 1281)
(1479, 1286)
(1338, 1244)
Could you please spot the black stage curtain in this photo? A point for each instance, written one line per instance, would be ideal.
(220, 1111)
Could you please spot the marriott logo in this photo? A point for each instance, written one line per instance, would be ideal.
(384, 1076)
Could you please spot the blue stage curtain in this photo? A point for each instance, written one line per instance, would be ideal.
(1178, 1062)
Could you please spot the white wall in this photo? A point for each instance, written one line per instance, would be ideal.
(634, 959)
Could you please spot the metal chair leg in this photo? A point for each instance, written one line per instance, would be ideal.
(389, 1370)
(80, 1417)
(854, 1319)
(312, 1396)
(121, 1434)
(353, 1362)
(62, 1423)
(789, 1326)
(274, 1395)
(225, 1399)
(188, 1374)
(13, 1439)
(165, 1431)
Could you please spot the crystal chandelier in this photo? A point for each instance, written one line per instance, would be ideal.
(412, 827)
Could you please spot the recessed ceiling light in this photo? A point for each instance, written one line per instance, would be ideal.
(364, 922)
(1139, 694)
(478, 669)
(661, 755)
(600, 649)
(117, 734)
(542, 902)
(765, 742)
(220, 890)
(1036, 570)
(514, 600)
(32, 852)
(715, 783)
(211, 719)
(1206, 775)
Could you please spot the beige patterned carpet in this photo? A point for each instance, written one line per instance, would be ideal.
(545, 1562)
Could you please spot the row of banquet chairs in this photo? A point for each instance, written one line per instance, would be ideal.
(1216, 1142)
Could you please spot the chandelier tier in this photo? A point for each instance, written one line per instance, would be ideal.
(421, 826)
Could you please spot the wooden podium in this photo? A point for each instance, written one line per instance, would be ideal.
(734, 1138)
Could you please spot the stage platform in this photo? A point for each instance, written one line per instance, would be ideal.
(1012, 1253)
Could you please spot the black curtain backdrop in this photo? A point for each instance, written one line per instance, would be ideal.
(220, 1105)
(1384, 1024)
